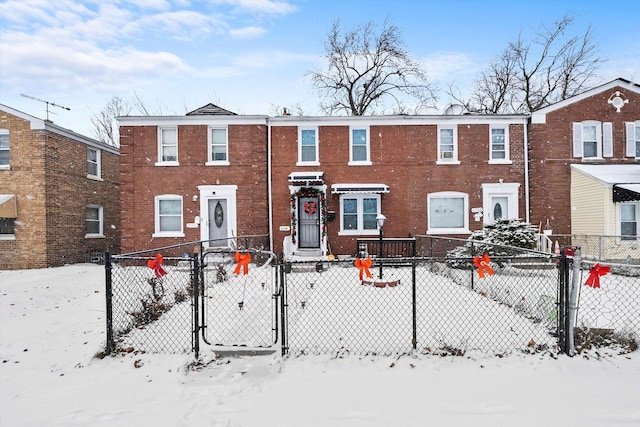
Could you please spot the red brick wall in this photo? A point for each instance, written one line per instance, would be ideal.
(551, 153)
(141, 180)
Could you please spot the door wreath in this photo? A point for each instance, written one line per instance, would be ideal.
(310, 207)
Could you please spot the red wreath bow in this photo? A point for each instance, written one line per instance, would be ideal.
(310, 207)
(594, 275)
(243, 261)
(156, 265)
(483, 265)
(363, 265)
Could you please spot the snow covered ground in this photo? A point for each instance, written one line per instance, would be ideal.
(52, 326)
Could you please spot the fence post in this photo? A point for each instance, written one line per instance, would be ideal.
(414, 341)
(563, 302)
(195, 289)
(109, 302)
(573, 301)
(283, 307)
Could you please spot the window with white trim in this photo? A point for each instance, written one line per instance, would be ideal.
(448, 145)
(167, 146)
(359, 146)
(7, 228)
(93, 221)
(628, 214)
(308, 146)
(93, 162)
(592, 139)
(358, 213)
(4, 148)
(632, 131)
(499, 144)
(168, 216)
(448, 213)
(218, 151)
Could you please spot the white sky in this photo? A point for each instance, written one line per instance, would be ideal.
(250, 56)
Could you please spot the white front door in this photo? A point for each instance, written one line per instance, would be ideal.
(500, 201)
(218, 215)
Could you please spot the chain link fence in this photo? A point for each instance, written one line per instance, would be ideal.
(614, 249)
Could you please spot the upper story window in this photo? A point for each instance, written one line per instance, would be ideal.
(592, 139)
(632, 130)
(168, 216)
(499, 144)
(308, 146)
(628, 214)
(93, 221)
(358, 213)
(93, 163)
(359, 147)
(4, 148)
(218, 151)
(447, 213)
(448, 145)
(167, 147)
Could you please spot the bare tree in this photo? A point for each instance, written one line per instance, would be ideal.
(366, 68)
(530, 75)
(104, 123)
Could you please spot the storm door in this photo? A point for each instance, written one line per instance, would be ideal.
(218, 223)
(309, 218)
(499, 208)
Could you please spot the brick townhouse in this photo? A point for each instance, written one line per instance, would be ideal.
(59, 195)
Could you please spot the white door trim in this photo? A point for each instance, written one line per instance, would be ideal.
(504, 189)
(208, 192)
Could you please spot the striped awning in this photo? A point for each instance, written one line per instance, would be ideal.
(8, 206)
(306, 178)
(359, 188)
(626, 192)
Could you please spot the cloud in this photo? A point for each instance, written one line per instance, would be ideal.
(270, 7)
(247, 32)
(183, 24)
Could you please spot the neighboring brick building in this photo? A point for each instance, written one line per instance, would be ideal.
(598, 127)
(202, 176)
(59, 196)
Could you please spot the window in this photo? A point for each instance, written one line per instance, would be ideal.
(628, 214)
(168, 216)
(4, 148)
(93, 163)
(308, 147)
(7, 228)
(218, 152)
(499, 144)
(93, 221)
(633, 138)
(167, 147)
(592, 139)
(359, 153)
(358, 213)
(447, 213)
(448, 145)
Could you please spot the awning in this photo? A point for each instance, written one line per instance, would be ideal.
(359, 188)
(8, 206)
(306, 178)
(626, 192)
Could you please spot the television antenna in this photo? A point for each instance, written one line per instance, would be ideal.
(48, 103)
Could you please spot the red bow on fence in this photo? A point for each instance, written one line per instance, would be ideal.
(243, 261)
(594, 275)
(363, 265)
(483, 265)
(156, 265)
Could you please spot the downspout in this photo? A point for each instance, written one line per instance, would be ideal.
(269, 192)
(526, 171)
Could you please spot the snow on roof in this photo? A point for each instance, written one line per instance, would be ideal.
(611, 174)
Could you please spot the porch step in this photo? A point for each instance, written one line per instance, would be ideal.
(308, 253)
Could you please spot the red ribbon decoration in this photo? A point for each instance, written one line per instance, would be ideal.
(483, 265)
(363, 265)
(310, 207)
(243, 261)
(594, 275)
(156, 265)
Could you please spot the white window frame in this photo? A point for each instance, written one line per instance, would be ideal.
(604, 139)
(465, 208)
(636, 204)
(100, 233)
(360, 231)
(173, 233)
(161, 162)
(98, 163)
(315, 162)
(507, 155)
(453, 160)
(7, 149)
(632, 138)
(367, 160)
(210, 160)
(7, 236)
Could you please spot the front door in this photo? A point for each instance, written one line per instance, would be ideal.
(499, 208)
(218, 223)
(309, 217)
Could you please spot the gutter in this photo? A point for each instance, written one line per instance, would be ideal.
(269, 184)
(526, 172)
